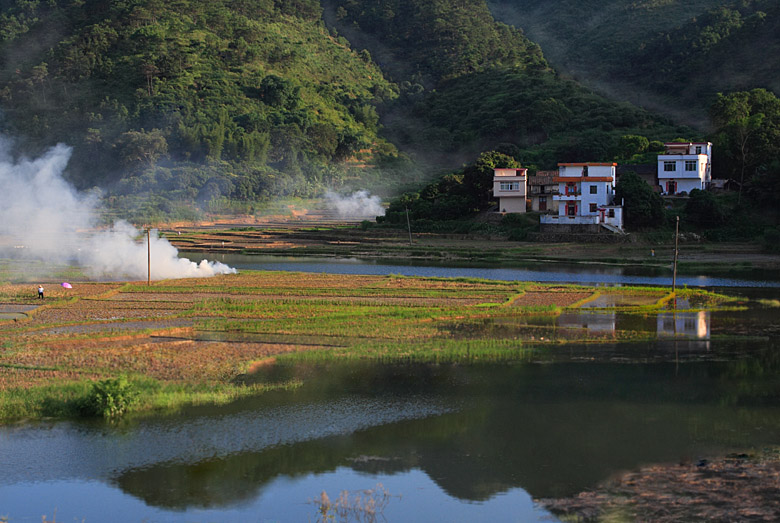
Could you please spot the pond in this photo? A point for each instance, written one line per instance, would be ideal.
(459, 444)
(450, 442)
(587, 274)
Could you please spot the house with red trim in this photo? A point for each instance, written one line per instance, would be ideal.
(586, 193)
(685, 166)
(509, 186)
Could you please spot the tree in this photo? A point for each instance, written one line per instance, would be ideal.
(279, 92)
(703, 209)
(748, 131)
(143, 147)
(630, 145)
(642, 206)
(478, 177)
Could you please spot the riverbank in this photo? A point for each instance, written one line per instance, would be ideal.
(347, 239)
(197, 340)
(738, 487)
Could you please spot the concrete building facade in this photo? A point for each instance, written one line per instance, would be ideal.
(510, 187)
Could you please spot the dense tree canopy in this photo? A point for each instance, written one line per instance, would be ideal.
(199, 100)
(443, 39)
(747, 141)
(642, 207)
(261, 85)
(672, 53)
(453, 196)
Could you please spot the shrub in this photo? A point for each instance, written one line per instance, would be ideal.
(771, 240)
(705, 210)
(110, 398)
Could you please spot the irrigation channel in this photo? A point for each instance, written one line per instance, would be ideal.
(481, 442)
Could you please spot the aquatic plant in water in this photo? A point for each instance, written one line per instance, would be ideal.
(363, 505)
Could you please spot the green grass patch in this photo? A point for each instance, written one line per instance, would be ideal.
(113, 398)
(431, 351)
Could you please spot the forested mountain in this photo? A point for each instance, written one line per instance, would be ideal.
(198, 97)
(194, 100)
(479, 85)
(670, 55)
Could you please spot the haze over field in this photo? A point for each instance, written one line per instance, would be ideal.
(359, 204)
(43, 217)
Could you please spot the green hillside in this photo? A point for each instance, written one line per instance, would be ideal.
(472, 90)
(237, 98)
(669, 55)
(729, 48)
(193, 101)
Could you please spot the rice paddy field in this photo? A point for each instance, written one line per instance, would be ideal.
(196, 341)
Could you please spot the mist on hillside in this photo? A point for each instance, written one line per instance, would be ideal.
(589, 67)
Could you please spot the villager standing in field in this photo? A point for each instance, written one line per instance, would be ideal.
(40, 292)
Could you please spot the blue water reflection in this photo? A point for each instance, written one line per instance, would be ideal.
(548, 272)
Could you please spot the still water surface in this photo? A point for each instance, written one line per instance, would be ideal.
(590, 274)
(447, 442)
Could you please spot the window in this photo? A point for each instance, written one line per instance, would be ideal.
(698, 149)
(593, 207)
(690, 165)
(612, 213)
(669, 166)
(585, 171)
(510, 186)
(571, 188)
(571, 209)
(594, 189)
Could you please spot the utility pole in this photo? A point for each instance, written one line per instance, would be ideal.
(409, 226)
(676, 250)
(148, 258)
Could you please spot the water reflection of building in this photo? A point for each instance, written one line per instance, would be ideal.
(688, 324)
(694, 325)
(592, 321)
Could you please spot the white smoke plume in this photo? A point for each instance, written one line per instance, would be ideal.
(357, 205)
(43, 217)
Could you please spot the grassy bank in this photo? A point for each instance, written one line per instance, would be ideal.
(185, 342)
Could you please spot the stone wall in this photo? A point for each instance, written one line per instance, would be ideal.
(553, 228)
(579, 237)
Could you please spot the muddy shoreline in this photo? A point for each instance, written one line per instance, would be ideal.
(738, 487)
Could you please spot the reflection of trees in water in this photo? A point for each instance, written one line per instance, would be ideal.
(235, 479)
(552, 430)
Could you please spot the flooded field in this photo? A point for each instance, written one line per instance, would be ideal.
(459, 400)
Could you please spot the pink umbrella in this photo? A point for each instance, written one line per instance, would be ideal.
(67, 285)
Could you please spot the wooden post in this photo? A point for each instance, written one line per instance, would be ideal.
(409, 226)
(148, 258)
(676, 250)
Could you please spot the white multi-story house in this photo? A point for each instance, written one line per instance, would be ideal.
(509, 186)
(586, 193)
(685, 166)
